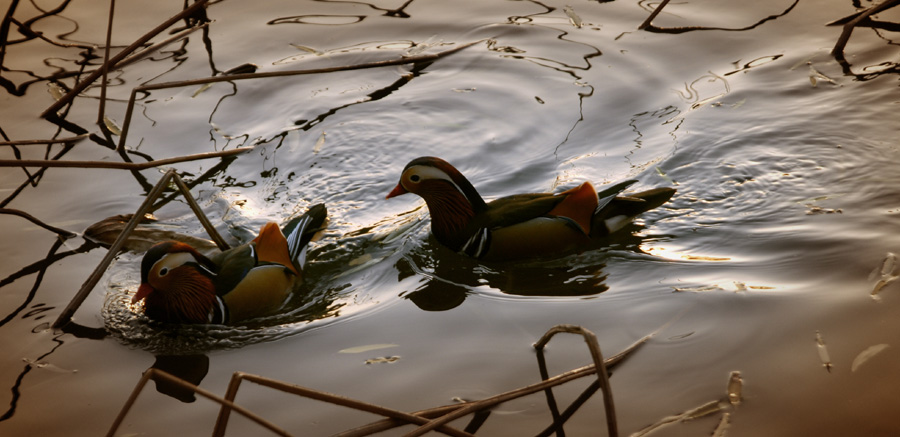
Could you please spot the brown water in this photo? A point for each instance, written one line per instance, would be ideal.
(787, 208)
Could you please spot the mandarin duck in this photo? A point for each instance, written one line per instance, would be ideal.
(521, 225)
(181, 285)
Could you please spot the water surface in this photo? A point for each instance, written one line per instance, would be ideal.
(784, 160)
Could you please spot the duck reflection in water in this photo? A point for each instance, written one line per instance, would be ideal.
(447, 277)
(189, 368)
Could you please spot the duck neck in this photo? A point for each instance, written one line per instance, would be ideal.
(189, 302)
(451, 214)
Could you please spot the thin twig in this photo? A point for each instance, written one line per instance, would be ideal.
(51, 141)
(156, 375)
(78, 88)
(121, 165)
(61, 232)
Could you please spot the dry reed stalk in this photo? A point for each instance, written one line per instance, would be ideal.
(120, 165)
(51, 141)
(394, 418)
(547, 383)
(156, 375)
(237, 377)
(602, 374)
(478, 405)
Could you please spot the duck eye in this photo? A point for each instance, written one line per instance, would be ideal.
(163, 271)
(414, 178)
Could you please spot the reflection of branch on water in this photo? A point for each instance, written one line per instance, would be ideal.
(61, 232)
(77, 89)
(432, 419)
(39, 267)
(649, 27)
(398, 12)
(13, 403)
(244, 76)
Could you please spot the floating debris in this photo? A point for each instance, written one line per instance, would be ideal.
(141, 238)
(308, 49)
(704, 410)
(47, 366)
(200, 90)
(867, 354)
(814, 210)
(366, 348)
(360, 263)
(663, 175)
(816, 75)
(112, 126)
(823, 352)
(735, 385)
(885, 274)
(704, 258)
(680, 336)
(723, 425)
(700, 289)
(319, 143)
(55, 90)
(573, 17)
(382, 360)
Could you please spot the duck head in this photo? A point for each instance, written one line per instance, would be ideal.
(451, 199)
(176, 284)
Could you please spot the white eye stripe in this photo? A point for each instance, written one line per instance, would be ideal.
(427, 172)
(173, 260)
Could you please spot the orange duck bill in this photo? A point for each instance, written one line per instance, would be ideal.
(142, 292)
(398, 190)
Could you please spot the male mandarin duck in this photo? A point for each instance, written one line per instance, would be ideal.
(521, 225)
(181, 285)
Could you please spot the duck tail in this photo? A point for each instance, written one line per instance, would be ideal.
(299, 231)
(653, 198)
(618, 211)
